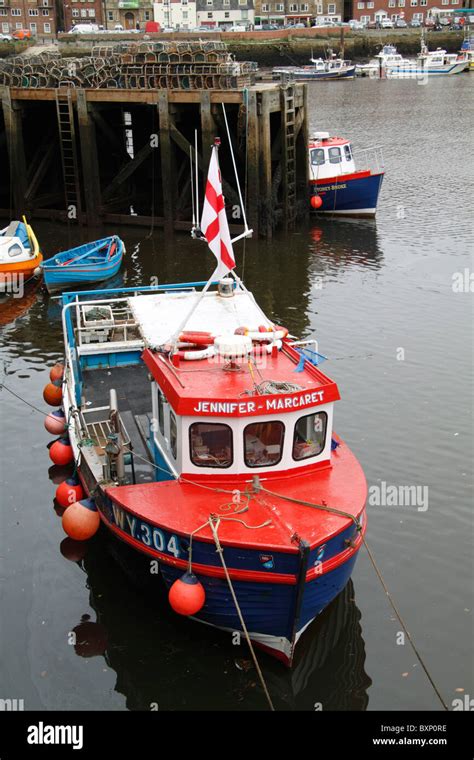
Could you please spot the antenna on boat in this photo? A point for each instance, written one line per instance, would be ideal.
(247, 232)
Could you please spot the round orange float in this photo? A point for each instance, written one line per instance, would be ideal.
(187, 595)
(69, 491)
(53, 393)
(56, 372)
(81, 520)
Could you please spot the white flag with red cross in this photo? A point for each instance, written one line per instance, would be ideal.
(214, 225)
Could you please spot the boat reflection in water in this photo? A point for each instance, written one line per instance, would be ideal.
(345, 242)
(164, 660)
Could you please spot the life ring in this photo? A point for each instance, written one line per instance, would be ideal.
(205, 353)
(264, 333)
(197, 338)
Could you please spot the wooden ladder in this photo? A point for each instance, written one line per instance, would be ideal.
(67, 142)
(289, 153)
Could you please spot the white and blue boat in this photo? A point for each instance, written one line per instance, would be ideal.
(320, 69)
(88, 263)
(337, 185)
(428, 63)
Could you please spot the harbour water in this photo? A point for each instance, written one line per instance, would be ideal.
(395, 321)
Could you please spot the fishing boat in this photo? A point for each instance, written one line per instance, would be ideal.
(88, 263)
(320, 69)
(388, 56)
(20, 256)
(203, 437)
(337, 185)
(428, 63)
(467, 51)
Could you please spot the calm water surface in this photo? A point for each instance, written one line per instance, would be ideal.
(385, 286)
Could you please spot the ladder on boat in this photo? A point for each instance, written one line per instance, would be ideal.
(289, 153)
(67, 142)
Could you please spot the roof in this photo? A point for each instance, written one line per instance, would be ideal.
(332, 141)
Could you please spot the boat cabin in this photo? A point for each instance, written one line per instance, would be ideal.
(329, 156)
(231, 395)
(14, 243)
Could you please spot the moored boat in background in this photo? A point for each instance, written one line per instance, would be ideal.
(337, 185)
(20, 256)
(88, 263)
(320, 69)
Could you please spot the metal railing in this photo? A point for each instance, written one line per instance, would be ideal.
(369, 159)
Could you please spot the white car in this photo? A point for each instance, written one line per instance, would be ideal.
(5, 37)
(386, 23)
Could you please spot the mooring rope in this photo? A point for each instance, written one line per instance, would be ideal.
(214, 529)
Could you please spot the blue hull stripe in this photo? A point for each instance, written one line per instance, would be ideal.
(349, 195)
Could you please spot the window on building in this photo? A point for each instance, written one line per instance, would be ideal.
(226, 2)
(209, 15)
(331, 8)
(16, 12)
(91, 13)
(303, 7)
(317, 157)
(47, 28)
(44, 13)
(210, 444)
(5, 28)
(418, 17)
(227, 14)
(33, 12)
(209, 3)
(263, 443)
(146, 15)
(75, 13)
(293, 8)
(444, 2)
(401, 3)
(391, 3)
(360, 6)
(3, 12)
(279, 7)
(365, 19)
(265, 7)
(110, 15)
(33, 28)
(173, 436)
(370, 5)
(242, 2)
(310, 436)
(18, 25)
(185, 15)
(423, 2)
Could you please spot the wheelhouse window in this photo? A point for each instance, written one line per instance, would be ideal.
(210, 444)
(161, 412)
(173, 435)
(310, 436)
(348, 152)
(334, 155)
(263, 444)
(317, 157)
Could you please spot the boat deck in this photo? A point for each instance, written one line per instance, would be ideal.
(134, 403)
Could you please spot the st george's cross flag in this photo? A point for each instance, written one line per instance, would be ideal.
(214, 224)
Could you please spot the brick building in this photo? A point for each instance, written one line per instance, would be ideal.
(215, 13)
(408, 10)
(39, 16)
(79, 12)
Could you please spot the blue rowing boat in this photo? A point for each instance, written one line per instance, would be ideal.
(91, 262)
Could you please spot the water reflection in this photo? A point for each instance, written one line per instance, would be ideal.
(157, 654)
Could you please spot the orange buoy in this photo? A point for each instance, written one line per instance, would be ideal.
(56, 372)
(81, 520)
(55, 422)
(61, 452)
(69, 491)
(73, 550)
(187, 595)
(53, 393)
(316, 201)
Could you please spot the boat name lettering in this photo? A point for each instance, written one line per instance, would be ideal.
(146, 534)
(332, 187)
(266, 405)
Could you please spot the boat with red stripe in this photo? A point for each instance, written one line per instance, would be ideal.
(224, 472)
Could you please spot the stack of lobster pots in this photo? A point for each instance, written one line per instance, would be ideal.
(193, 65)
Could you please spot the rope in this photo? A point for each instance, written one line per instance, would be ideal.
(402, 623)
(214, 529)
(379, 575)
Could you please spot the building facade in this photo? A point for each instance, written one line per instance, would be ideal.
(81, 12)
(176, 14)
(408, 10)
(288, 12)
(218, 13)
(39, 16)
(131, 14)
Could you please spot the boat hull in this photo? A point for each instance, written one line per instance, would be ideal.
(421, 71)
(19, 272)
(348, 196)
(57, 280)
(300, 75)
(59, 273)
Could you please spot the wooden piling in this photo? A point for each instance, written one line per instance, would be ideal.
(90, 161)
(12, 112)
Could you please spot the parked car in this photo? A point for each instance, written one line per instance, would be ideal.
(354, 24)
(372, 25)
(237, 28)
(400, 23)
(445, 20)
(415, 24)
(386, 23)
(21, 34)
(118, 28)
(5, 37)
(270, 27)
(85, 29)
(429, 23)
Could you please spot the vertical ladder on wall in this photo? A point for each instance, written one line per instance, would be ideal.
(67, 142)
(289, 153)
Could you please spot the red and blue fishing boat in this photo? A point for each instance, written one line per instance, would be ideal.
(337, 185)
(203, 438)
(88, 263)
